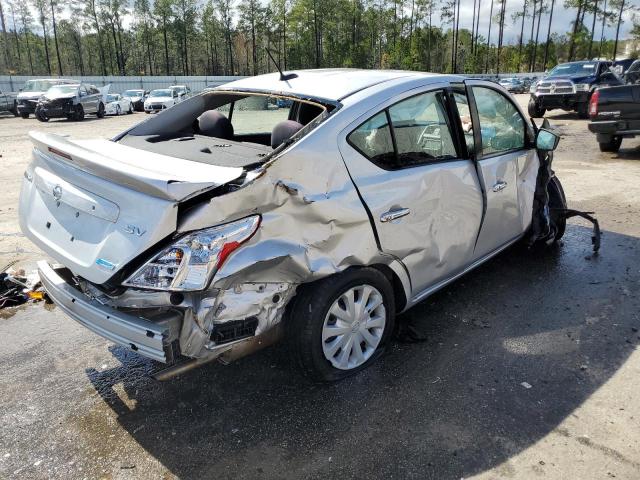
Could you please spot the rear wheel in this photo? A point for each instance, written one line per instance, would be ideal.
(341, 324)
(535, 111)
(613, 145)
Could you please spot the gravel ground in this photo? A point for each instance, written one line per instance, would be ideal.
(529, 368)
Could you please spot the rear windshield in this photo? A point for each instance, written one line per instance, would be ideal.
(133, 93)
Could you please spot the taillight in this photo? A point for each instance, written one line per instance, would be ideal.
(593, 104)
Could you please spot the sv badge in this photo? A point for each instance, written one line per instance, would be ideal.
(133, 230)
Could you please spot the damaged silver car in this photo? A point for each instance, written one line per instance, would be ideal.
(314, 206)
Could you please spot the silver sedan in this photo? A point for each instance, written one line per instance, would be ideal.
(313, 206)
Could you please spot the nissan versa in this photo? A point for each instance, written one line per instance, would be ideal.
(313, 206)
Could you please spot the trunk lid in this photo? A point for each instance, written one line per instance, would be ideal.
(95, 205)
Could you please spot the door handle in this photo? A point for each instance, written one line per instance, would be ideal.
(394, 214)
(499, 186)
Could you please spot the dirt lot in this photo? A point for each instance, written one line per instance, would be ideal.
(530, 368)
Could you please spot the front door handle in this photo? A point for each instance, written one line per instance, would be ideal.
(394, 214)
(499, 186)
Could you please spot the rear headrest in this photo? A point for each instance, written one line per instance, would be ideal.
(215, 124)
(284, 131)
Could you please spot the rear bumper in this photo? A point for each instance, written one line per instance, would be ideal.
(615, 127)
(144, 337)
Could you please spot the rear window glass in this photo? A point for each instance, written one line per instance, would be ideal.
(255, 114)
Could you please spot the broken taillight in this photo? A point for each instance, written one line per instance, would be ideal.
(593, 104)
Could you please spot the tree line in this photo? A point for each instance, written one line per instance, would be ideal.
(230, 37)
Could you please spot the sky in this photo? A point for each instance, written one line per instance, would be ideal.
(561, 22)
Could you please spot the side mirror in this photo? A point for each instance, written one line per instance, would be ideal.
(546, 140)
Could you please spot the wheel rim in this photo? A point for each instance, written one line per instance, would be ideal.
(353, 327)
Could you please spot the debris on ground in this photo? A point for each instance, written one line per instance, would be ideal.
(18, 287)
(526, 385)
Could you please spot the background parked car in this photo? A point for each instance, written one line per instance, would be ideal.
(137, 98)
(182, 90)
(9, 102)
(513, 85)
(632, 75)
(569, 86)
(160, 99)
(70, 101)
(615, 114)
(32, 90)
(116, 104)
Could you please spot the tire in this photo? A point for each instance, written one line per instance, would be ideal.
(41, 116)
(535, 111)
(24, 115)
(118, 110)
(100, 113)
(130, 111)
(557, 200)
(583, 110)
(612, 145)
(78, 113)
(15, 109)
(147, 112)
(309, 320)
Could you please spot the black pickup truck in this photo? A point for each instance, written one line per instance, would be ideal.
(569, 86)
(615, 114)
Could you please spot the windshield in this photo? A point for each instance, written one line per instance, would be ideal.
(574, 69)
(161, 93)
(112, 98)
(132, 93)
(61, 90)
(37, 85)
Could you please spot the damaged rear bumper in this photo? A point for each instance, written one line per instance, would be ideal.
(145, 337)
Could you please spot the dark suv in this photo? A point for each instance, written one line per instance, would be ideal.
(569, 86)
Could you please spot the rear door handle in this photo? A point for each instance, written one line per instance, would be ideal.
(394, 214)
(499, 186)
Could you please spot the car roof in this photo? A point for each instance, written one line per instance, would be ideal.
(330, 83)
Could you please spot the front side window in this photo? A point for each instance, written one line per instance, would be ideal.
(419, 133)
(502, 128)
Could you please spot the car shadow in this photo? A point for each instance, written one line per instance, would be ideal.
(508, 352)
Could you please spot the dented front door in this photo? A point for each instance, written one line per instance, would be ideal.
(425, 201)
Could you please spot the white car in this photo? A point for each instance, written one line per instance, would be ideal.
(160, 99)
(182, 90)
(116, 104)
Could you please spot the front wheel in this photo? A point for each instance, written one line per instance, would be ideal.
(341, 324)
(39, 114)
(118, 110)
(557, 203)
(612, 145)
(130, 111)
(14, 110)
(24, 115)
(78, 113)
(100, 113)
(535, 111)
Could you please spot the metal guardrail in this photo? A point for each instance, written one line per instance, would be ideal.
(196, 83)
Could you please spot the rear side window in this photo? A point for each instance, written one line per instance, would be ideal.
(502, 127)
(419, 133)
